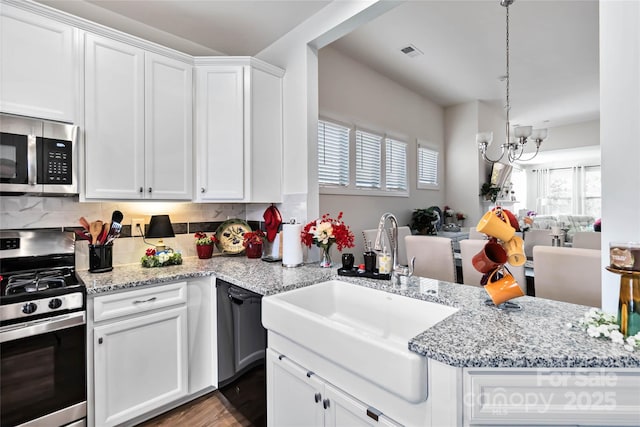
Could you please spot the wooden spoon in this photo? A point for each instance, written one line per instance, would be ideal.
(83, 222)
(95, 228)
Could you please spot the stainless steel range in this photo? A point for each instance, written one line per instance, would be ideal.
(42, 331)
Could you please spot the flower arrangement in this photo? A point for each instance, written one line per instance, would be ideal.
(160, 259)
(253, 238)
(325, 231)
(461, 216)
(203, 240)
(600, 324)
(448, 212)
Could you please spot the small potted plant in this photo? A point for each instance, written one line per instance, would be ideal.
(461, 216)
(253, 243)
(423, 221)
(204, 244)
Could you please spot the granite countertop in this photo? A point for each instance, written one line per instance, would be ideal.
(476, 335)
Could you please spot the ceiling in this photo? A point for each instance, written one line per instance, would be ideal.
(554, 45)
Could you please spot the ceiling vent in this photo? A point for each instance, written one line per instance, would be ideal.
(411, 51)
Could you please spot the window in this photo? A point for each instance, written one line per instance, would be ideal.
(396, 165)
(427, 167)
(355, 161)
(569, 191)
(333, 154)
(368, 159)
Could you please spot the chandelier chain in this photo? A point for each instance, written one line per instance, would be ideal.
(508, 76)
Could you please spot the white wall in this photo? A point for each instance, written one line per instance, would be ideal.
(572, 136)
(463, 169)
(619, 132)
(355, 94)
(296, 52)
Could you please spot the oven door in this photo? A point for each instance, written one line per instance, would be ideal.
(43, 371)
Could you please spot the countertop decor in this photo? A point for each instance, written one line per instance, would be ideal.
(326, 231)
(474, 336)
(160, 259)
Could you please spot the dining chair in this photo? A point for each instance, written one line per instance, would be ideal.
(587, 240)
(434, 257)
(568, 274)
(402, 233)
(537, 237)
(475, 234)
(470, 276)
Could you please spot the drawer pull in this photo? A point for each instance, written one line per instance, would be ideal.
(143, 301)
(326, 404)
(318, 397)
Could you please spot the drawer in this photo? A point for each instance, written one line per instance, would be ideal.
(584, 396)
(139, 301)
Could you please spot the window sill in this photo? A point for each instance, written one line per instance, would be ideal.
(362, 192)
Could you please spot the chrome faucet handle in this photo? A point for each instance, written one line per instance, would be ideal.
(412, 266)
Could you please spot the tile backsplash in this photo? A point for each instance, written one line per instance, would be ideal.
(27, 212)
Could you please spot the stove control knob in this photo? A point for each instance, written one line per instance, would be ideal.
(55, 303)
(29, 308)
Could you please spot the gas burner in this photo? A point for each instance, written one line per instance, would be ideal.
(36, 281)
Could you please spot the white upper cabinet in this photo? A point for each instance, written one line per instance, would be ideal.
(168, 128)
(38, 66)
(114, 119)
(238, 130)
(138, 121)
(220, 148)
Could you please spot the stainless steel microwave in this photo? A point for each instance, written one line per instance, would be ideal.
(37, 156)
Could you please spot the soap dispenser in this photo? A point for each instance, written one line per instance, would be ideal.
(384, 262)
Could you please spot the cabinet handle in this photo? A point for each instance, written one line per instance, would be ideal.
(325, 403)
(100, 342)
(202, 190)
(141, 190)
(318, 397)
(149, 190)
(143, 301)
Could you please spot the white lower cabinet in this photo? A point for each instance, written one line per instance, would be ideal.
(140, 359)
(298, 397)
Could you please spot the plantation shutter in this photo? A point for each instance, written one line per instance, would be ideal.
(333, 154)
(396, 165)
(427, 166)
(368, 154)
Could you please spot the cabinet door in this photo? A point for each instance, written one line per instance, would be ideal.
(265, 173)
(140, 364)
(114, 119)
(203, 334)
(293, 398)
(220, 133)
(168, 130)
(344, 410)
(38, 66)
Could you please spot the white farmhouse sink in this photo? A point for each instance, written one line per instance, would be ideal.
(364, 330)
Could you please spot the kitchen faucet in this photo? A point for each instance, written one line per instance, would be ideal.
(397, 270)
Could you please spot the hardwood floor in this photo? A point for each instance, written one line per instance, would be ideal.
(209, 410)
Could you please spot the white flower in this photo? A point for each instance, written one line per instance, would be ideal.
(593, 331)
(163, 257)
(617, 337)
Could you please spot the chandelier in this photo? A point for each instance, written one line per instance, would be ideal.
(514, 146)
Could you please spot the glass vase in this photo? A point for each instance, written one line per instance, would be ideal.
(325, 257)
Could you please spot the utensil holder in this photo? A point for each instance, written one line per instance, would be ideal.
(100, 258)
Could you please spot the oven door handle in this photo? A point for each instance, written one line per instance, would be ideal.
(42, 326)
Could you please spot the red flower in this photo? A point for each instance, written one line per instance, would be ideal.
(150, 252)
(325, 231)
(253, 237)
